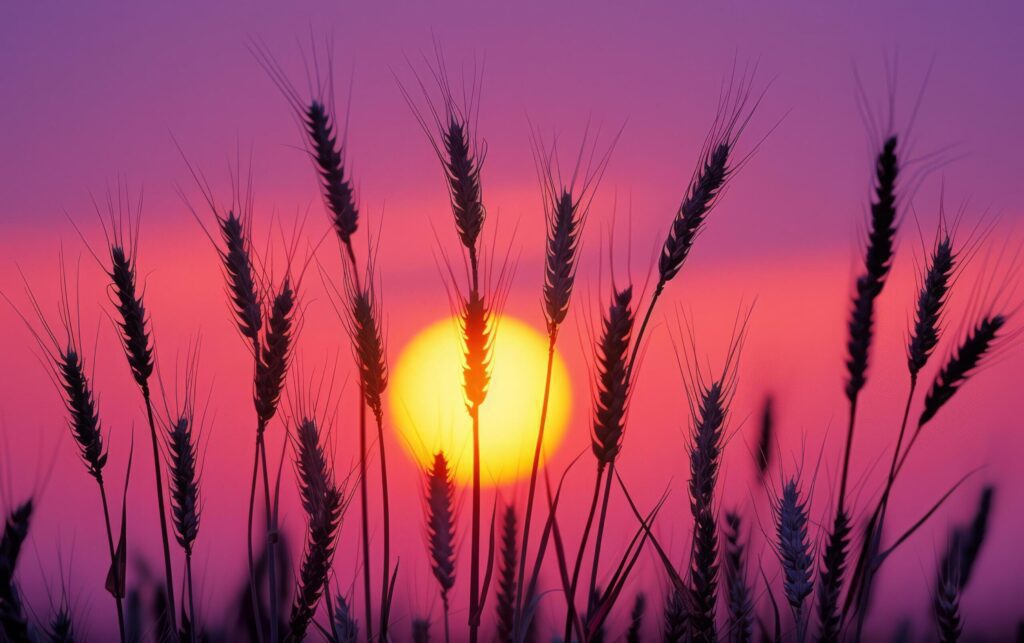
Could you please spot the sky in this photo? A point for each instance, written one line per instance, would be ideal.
(102, 93)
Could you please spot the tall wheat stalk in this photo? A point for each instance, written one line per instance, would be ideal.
(877, 262)
(137, 343)
(611, 401)
(925, 334)
(268, 329)
(339, 198)
(716, 166)
(565, 210)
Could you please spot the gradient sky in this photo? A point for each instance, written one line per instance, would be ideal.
(98, 91)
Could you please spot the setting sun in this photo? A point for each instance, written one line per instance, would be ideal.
(427, 401)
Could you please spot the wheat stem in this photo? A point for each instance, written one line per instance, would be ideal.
(110, 543)
(364, 515)
(363, 491)
(384, 605)
(157, 466)
(571, 598)
(191, 600)
(474, 569)
(253, 587)
(860, 584)
(533, 484)
(599, 537)
(271, 541)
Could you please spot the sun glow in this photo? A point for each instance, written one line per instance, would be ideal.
(427, 401)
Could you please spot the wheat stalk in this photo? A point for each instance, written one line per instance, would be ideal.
(62, 626)
(441, 520)
(925, 334)
(236, 259)
(505, 599)
(237, 262)
(364, 328)
(676, 617)
(973, 536)
(186, 505)
(794, 550)
(138, 349)
(636, 619)
(740, 624)
(13, 620)
(964, 361)
(610, 404)
(85, 428)
(323, 502)
(705, 459)
(339, 197)
(877, 262)
(946, 604)
(716, 165)
(566, 217)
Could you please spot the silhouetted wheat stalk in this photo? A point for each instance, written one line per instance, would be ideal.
(13, 617)
(69, 376)
(705, 458)
(716, 166)
(566, 214)
(339, 197)
(947, 601)
(794, 551)
(186, 506)
(924, 337)
(740, 624)
(323, 501)
(611, 399)
(271, 368)
(955, 569)
(85, 428)
(877, 262)
(450, 129)
(61, 627)
(676, 617)
(137, 343)
(441, 521)
(365, 332)
(271, 336)
(507, 558)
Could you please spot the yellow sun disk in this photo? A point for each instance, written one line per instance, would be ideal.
(428, 405)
